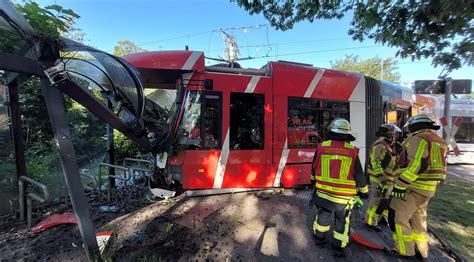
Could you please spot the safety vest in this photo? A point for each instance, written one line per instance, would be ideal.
(432, 168)
(334, 170)
(377, 169)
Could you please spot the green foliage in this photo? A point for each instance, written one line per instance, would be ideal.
(125, 47)
(89, 134)
(369, 67)
(50, 21)
(124, 147)
(442, 30)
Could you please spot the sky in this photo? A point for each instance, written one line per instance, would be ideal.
(172, 25)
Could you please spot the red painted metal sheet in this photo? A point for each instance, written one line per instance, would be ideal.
(301, 155)
(248, 169)
(176, 60)
(199, 169)
(336, 85)
(293, 175)
(291, 79)
(55, 220)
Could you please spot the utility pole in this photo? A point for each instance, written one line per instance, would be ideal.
(447, 101)
(381, 69)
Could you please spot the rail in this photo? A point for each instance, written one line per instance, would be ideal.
(124, 178)
(137, 160)
(85, 173)
(30, 197)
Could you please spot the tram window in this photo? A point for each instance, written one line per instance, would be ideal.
(333, 110)
(303, 122)
(246, 121)
(200, 126)
(211, 121)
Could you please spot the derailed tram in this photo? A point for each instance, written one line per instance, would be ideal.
(242, 128)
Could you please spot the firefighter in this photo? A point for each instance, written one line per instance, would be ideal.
(425, 167)
(338, 178)
(381, 164)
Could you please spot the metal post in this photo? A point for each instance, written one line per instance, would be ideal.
(57, 115)
(16, 130)
(110, 149)
(447, 103)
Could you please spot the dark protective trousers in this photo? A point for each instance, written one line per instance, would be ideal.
(341, 225)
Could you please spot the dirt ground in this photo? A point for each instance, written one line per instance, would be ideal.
(258, 226)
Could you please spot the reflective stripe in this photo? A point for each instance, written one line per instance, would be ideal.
(344, 237)
(415, 165)
(399, 239)
(375, 165)
(325, 171)
(374, 179)
(346, 163)
(372, 216)
(432, 177)
(318, 227)
(326, 143)
(409, 176)
(333, 198)
(336, 189)
(364, 189)
(348, 145)
(420, 185)
(336, 181)
(420, 237)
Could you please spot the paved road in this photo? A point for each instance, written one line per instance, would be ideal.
(462, 171)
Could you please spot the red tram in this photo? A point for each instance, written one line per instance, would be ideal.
(257, 128)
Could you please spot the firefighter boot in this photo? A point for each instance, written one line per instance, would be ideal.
(339, 251)
(373, 228)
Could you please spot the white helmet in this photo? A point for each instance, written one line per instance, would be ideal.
(420, 118)
(340, 126)
(420, 121)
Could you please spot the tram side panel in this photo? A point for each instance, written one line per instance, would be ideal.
(307, 99)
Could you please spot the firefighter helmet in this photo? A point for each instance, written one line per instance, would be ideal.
(388, 130)
(340, 126)
(421, 121)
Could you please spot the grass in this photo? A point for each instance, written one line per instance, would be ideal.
(451, 215)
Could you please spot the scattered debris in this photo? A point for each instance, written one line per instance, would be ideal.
(102, 239)
(106, 209)
(54, 220)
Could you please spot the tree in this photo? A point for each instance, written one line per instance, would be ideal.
(50, 21)
(125, 47)
(442, 30)
(370, 67)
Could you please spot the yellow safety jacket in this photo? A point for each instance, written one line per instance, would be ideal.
(334, 167)
(426, 164)
(382, 160)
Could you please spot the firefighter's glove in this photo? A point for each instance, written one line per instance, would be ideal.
(382, 189)
(363, 195)
(313, 180)
(398, 192)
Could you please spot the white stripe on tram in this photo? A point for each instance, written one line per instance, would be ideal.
(314, 83)
(191, 61)
(281, 166)
(221, 164)
(252, 84)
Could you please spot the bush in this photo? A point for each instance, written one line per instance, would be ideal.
(124, 147)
